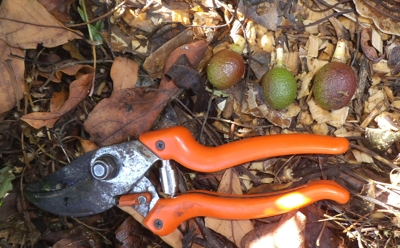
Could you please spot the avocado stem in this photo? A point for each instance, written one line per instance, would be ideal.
(239, 45)
(340, 52)
(279, 56)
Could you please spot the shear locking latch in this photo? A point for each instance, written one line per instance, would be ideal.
(169, 178)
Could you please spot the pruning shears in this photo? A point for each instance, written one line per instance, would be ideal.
(117, 175)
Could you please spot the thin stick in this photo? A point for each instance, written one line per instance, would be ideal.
(375, 156)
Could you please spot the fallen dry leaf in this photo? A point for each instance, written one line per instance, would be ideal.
(73, 51)
(14, 229)
(127, 113)
(185, 76)
(174, 239)
(79, 89)
(70, 243)
(269, 17)
(124, 73)
(76, 237)
(385, 19)
(254, 105)
(58, 8)
(26, 23)
(234, 230)
(74, 69)
(58, 100)
(314, 226)
(154, 63)
(12, 86)
(87, 145)
(269, 187)
(394, 60)
(368, 50)
(131, 112)
(128, 234)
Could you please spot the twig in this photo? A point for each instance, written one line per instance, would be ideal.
(203, 125)
(93, 46)
(237, 123)
(377, 202)
(50, 156)
(173, 97)
(317, 242)
(329, 7)
(360, 235)
(21, 182)
(375, 156)
(321, 20)
(96, 230)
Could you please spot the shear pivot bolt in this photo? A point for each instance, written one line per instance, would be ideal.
(142, 199)
(160, 145)
(104, 167)
(158, 223)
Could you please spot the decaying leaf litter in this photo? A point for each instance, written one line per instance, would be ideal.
(66, 91)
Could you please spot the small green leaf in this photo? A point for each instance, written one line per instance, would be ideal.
(100, 25)
(92, 29)
(218, 92)
(97, 37)
(6, 177)
(82, 14)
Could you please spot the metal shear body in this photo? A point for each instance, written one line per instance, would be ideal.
(116, 175)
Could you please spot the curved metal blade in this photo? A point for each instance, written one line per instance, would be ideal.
(74, 191)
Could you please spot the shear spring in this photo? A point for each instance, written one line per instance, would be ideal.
(168, 178)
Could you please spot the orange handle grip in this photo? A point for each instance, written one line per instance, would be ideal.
(178, 144)
(167, 214)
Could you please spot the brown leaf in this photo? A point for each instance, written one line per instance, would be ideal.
(75, 69)
(25, 23)
(268, 187)
(9, 206)
(70, 243)
(131, 112)
(394, 60)
(58, 8)
(15, 229)
(234, 230)
(124, 73)
(174, 239)
(314, 227)
(384, 18)
(154, 64)
(185, 76)
(79, 89)
(368, 50)
(87, 145)
(58, 100)
(127, 233)
(12, 86)
(75, 237)
(128, 112)
(254, 105)
(269, 17)
(73, 51)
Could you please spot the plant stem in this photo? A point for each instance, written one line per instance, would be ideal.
(239, 45)
(340, 52)
(279, 56)
(93, 46)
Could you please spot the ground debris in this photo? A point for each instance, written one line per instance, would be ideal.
(78, 75)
